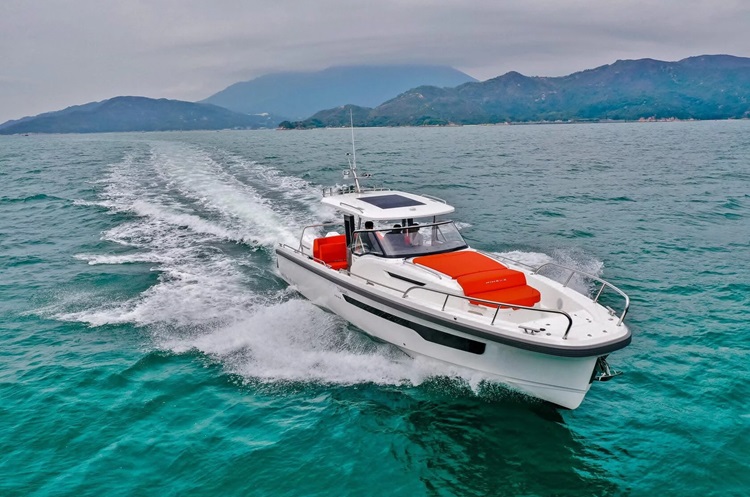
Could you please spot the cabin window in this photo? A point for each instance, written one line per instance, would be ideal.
(366, 242)
(410, 241)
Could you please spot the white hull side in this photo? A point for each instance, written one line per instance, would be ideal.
(561, 380)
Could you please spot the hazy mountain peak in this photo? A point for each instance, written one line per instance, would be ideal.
(300, 94)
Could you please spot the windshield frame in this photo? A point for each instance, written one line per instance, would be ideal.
(379, 244)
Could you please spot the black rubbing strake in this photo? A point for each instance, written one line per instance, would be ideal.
(429, 334)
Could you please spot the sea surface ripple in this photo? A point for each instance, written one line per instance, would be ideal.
(150, 347)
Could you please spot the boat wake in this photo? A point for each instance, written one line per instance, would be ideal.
(206, 222)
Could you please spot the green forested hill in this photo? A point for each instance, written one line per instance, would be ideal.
(135, 114)
(705, 87)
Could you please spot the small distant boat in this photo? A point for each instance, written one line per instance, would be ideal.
(397, 271)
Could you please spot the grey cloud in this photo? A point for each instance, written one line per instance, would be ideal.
(56, 54)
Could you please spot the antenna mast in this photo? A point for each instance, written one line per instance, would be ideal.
(353, 165)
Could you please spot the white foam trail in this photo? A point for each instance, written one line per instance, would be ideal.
(199, 286)
(289, 341)
(90, 203)
(95, 259)
(195, 223)
(183, 298)
(241, 213)
(295, 341)
(290, 187)
(195, 175)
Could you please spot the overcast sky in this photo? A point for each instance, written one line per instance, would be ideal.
(56, 53)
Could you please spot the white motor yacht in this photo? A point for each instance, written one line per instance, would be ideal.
(397, 270)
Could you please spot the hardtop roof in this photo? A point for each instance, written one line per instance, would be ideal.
(384, 205)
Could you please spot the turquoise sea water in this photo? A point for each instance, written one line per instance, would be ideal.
(149, 347)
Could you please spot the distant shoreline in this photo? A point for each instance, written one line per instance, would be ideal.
(528, 123)
(518, 123)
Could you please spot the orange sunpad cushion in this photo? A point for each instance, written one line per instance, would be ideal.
(457, 264)
(519, 295)
(483, 277)
(488, 281)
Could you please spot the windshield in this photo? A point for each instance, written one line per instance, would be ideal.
(410, 241)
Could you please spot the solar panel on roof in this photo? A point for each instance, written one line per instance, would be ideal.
(391, 201)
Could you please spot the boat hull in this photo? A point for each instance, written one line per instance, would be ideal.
(558, 379)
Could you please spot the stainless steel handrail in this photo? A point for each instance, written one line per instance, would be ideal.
(343, 190)
(352, 206)
(593, 277)
(424, 268)
(302, 236)
(292, 249)
(432, 197)
(499, 304)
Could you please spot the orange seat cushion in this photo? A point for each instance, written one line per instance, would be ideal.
(333, 252)
(456, 264)
(327, 240)
(488, 281)
(519, 295)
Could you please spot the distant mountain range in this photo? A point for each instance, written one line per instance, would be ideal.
(259, 103)
(298, 95)
(136, 114)
(704, 87)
